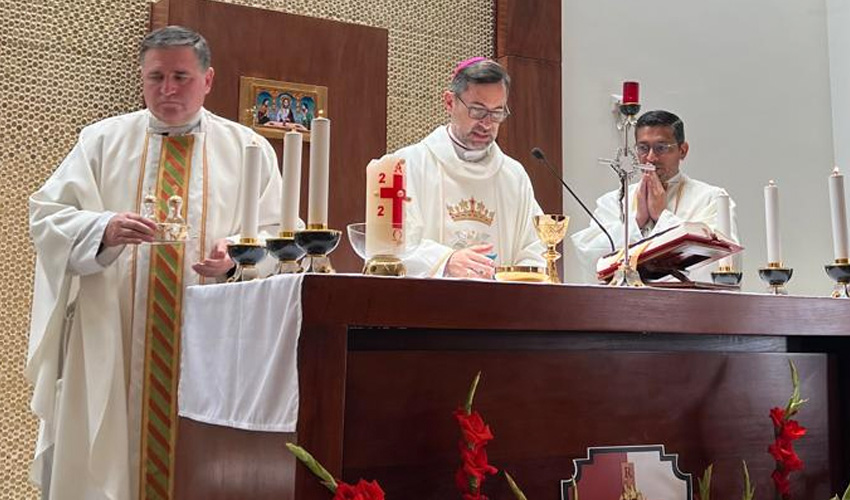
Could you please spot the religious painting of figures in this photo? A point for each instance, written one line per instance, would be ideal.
(273, 108)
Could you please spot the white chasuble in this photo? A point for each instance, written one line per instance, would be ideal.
(460, 203)
(88, 381)
(688, 200)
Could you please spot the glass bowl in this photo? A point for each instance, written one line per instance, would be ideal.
(357, 240)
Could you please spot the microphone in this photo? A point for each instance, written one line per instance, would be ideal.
(538, 153)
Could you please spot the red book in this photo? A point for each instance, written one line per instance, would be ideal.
(680, 248)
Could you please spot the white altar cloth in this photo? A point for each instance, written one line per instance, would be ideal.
(239, 361)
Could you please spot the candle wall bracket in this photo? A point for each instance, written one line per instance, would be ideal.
(839, 271)
(318, 243)
(776, 276)
(287, 252)
(247, 254)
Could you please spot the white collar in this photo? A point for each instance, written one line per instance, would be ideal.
(463, 152)
(442, 146)
(156, 126)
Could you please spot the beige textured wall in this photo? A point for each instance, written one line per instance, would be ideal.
(64, 64)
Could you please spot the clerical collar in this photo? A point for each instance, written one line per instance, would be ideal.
(672, 181)
(156, 126)
(463, 152)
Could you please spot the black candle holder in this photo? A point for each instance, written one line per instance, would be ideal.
(247, 254)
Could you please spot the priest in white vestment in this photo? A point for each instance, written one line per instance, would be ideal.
(474, 203)
(93, 305)
(661, 200)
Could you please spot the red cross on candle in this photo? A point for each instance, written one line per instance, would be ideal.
(398, 195)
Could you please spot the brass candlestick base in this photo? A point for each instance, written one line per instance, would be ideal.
(384, 265)
(318, 243)
(776, 276)
(287, 253)
(626, 275)
(247, 253)
(727, 276)
(840, 273)
(551, 229)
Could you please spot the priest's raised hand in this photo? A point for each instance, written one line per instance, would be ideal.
(651, 199)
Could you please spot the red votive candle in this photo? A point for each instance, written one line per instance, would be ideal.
(631, 92)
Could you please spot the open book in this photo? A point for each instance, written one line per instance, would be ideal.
(686, 246)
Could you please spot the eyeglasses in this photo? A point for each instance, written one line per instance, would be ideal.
(659, 149)
(480, 112)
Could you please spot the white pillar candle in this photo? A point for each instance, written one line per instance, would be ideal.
(250, 190)
(386, 191)
(838, 210)
(771, 212)
(724, 223)
(291, 197)
(320, 149)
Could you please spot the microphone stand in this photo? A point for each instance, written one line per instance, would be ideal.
(626, 275)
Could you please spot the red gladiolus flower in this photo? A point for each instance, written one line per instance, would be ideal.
(780, 450)
(778, 417)
(462, 481)
(475, 432)
(363, 490)
(475, 462)
(780, 479)
(792, 430)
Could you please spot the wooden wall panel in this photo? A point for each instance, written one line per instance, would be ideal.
(529, 28)
(528, 44)
(535, 121)
(351, 60)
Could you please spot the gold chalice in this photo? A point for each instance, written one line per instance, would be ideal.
(551, 229)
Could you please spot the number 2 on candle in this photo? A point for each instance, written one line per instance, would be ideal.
(380, 210)
(382, 178)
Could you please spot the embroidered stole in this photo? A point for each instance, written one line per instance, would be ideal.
(162, 330)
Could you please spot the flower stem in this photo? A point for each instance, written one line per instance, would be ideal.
(315, 467)
(471, 395)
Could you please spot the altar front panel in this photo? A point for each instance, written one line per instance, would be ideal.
(547, 406)
(383, 363)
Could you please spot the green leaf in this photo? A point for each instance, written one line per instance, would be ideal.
(795, 403)
(471, 395)
(705, 483)
(315, 467)
(517, 492)
(749, 489)
(846, 495)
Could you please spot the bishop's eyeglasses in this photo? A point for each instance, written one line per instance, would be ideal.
(480, 112)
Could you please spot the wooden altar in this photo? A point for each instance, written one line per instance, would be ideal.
(384, 362)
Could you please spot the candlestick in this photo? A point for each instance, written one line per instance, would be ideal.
(771, 211)
(291, 182)
(317, 209)
(838, 209)
(724, 224)
(250, 191)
